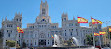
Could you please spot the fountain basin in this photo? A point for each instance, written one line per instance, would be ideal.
(75, 47)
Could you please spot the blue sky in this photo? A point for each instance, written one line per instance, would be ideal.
(98, 9)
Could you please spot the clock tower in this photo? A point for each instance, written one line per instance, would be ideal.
(44, 10)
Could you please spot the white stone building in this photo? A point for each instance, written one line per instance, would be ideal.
(39, 33)
(9, 29)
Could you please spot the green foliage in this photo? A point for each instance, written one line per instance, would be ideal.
(107, 35)
(24, 44)
(10, 43)
(89, 39)
(110, 35)
(69, 42)
(1, 35)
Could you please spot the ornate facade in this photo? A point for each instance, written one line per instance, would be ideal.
(39, 33)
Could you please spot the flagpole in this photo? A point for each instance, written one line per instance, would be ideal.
(93, 34)
(16, 40)
(100, 40)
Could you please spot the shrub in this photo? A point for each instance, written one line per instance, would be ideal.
(11, 43)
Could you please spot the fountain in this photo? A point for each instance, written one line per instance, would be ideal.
(57, 41)
(59, 44)
(75, 41)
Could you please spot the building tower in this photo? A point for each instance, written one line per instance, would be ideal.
(64, 19)
(44, 8)
(43, 16)
(18, 21)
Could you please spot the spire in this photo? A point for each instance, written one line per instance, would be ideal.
(6, 18)
(19, 13)
(2, 19)
(45, 1)
(41, 1)
(77, 15)
(73, 18)
(62, 14)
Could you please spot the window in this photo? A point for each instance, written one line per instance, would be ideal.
(52, 31)
(65, 30)
(71, 33)
(52, 42)
(8, 34)
(35, 35)
(48, 42)
(70, 24)
(77, 32)
(65, 34)
(56, 31)
(20, 20)
(39, 26)
(27, 41)
(43, 11)
(53, 26)
(35, 42)
(11, 31)
(7, 30)
(19, 41)
(17, 19)
(42, 25)
(33, 26)
(19, 35)
(48, 35)
(76, 24)
(9, 25)
(72, 29)
(64, 19)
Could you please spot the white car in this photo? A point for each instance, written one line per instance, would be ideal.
(106, 48)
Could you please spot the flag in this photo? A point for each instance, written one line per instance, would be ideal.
(96, 34)
(109, 29)
(102, 33)
(94, 21)
(52, 36)
(19, 30)
(82, 20)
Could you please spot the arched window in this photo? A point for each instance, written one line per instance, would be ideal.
(42, 35)
(43, 11)
(17, 19)
(20, 20)
(65, 34)
(8, 34)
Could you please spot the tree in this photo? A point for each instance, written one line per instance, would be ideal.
(89, 39)
(107, 35)
(69, 42)
(10, 43)
(110, 35)
(1, 35)
(24, 44)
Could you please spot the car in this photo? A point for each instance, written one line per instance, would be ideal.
(106, 48)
